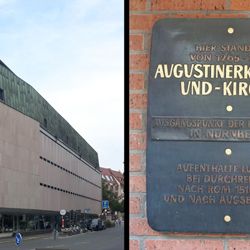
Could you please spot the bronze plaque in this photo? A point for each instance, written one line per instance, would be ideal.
(198, 127)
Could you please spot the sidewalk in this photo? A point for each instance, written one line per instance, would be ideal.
(9, 238)
(5, 235)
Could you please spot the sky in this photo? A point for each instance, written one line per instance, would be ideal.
(71, 52)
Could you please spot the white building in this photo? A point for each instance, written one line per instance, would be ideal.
(114, 181)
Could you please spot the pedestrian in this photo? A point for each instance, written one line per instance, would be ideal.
(119, 222)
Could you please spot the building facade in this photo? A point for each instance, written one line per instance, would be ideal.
(114, 180)
(45, 165)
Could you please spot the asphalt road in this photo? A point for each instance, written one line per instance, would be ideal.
(108, 239)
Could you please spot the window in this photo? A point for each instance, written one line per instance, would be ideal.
(45, 122)
(1, 94)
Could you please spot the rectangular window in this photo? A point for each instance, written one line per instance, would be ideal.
(45, 122)
(1, 94)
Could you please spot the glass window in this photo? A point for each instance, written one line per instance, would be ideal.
(1, 94)
(45, 122)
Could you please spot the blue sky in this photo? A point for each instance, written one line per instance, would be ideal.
(71, 52)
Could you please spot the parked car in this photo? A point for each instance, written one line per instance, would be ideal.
(97, 224)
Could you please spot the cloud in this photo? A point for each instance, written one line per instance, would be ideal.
(71, 52)
(96, 114)
(4, 3)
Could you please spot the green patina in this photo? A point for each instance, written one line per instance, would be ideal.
(24, 98)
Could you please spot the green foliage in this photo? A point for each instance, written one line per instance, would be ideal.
(108, 223)
(114, 203)
(122, 205)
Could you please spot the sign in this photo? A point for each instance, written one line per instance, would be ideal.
(19, 239)
(105, 204)
(63, 212)
(198, 126)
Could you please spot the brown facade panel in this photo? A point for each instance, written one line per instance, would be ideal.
(38, 172)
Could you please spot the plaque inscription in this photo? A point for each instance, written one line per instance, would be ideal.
(198, 126)
(200, 129)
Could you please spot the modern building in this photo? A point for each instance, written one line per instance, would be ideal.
(114, 180)
(45, 165)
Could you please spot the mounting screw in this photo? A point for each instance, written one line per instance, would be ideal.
(227, 218)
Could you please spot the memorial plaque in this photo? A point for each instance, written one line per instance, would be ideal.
(198, 127)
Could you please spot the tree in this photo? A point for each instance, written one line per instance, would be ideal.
(114, 203)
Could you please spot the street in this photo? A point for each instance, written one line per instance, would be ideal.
(108, 239)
